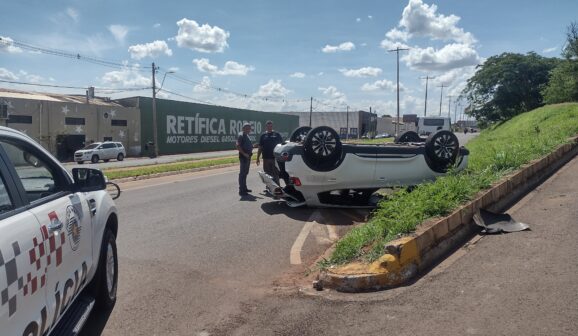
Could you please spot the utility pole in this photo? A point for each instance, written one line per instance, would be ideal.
(397, 50)
(347, 124)
(450, 105)
(427, 78)
(441, 97)
(456, 112)
(310, 111)
(155, 132)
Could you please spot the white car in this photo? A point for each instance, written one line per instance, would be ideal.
(100, 151)
(58, 257)
(320, 171)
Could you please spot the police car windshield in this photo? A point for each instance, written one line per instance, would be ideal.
(92, 146)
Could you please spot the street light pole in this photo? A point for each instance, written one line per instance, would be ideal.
(155, 131)
(397, 50)
(425, 106)
(347, 124)
(441, 97)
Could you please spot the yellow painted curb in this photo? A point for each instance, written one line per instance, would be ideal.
(407, 256)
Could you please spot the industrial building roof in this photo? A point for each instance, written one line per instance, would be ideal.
(55, 97)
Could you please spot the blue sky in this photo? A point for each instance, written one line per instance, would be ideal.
(274, 55)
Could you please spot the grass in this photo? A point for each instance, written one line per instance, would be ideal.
(494, 153)
(113, 174)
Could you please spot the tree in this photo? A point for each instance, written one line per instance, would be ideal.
(507, 85)
(563, 84)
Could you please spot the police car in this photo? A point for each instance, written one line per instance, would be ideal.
(58, 257)
(320, 171)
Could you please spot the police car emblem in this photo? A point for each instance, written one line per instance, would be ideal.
(73, 227)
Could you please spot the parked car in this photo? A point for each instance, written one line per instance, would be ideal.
(382, 136)
(58, 257)
(100, 151)
(320, 171)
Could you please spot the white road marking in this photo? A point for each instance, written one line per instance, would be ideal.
(295, 255)
(332, 232)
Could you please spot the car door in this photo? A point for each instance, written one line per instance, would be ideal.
(110, 150)
(22, 276)
(64, 223)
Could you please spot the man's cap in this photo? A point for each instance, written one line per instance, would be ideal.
(246, 124)
(268, 122)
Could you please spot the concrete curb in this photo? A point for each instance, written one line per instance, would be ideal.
(175, 172)
(432, 240)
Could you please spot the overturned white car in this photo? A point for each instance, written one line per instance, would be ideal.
(320, 171)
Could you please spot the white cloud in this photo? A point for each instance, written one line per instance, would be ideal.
(6, 45)
(231, 68)
(72, 13)
(119, 32)
(273, 89)
(127, 77)
(449, 57)
(397, 35)
(419, 19)
(549, 50)
(30, 78)
(157, 25)
(345, 46)
(204, 86)
(358, 20)
(297, 75)
(362, 72)
(370, 17)
(203, 38)
(152, 50)
(5, 74)
(390, 45)
(335, 98)
(382, 85)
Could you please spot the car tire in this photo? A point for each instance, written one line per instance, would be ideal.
(94, 159)
(441, 149)
(408, 136)
(120, 157)
(322, 148)
(105, 282)
(299, 134)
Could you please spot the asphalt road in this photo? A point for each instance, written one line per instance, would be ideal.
(191, 251)
(197, 260)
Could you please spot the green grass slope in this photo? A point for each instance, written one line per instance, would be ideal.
(495, 152)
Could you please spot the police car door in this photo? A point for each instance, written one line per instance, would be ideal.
(65, 224)
(22, 276)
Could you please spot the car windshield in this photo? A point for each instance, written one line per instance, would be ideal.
(91, 146)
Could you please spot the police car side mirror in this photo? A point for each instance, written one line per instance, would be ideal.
(88, 179)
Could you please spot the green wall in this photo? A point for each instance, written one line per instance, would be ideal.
(188, 127)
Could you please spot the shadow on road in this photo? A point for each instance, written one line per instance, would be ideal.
(96, 322)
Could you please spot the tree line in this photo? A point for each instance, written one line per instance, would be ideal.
(509, 84)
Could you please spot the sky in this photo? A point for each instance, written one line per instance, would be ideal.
(273, 55)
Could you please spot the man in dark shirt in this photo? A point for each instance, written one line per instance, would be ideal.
(267, 144)
(245, 148)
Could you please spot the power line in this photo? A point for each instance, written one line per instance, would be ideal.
(62, 53)
(76, 87)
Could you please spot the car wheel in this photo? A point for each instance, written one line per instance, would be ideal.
(299, 134)
(120, 157)
(408, 136)
(105, 282)
(442, 149)
(322, 149)
(94, 159)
